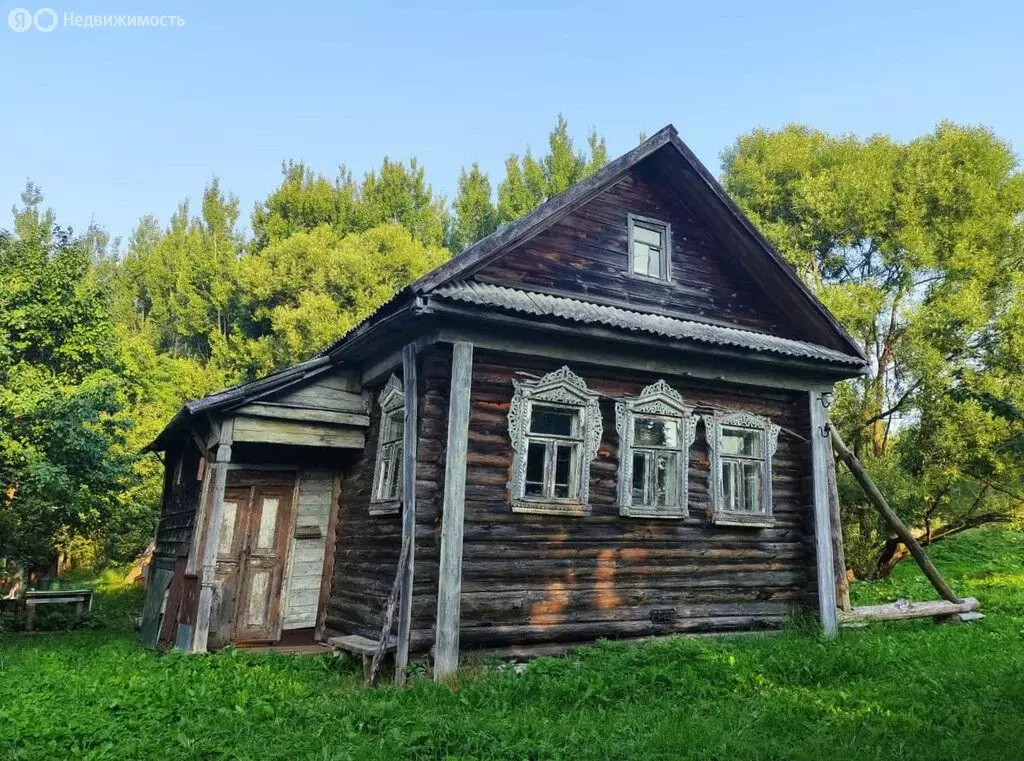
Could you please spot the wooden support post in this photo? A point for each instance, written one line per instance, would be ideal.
(410, 386)
(894, 520)
(449, 584)
(822, 518)
(211, 540)
(839, 553)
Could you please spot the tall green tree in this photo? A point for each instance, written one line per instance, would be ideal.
(529, 182)
(178, 284)
(399, 194)
(475, 214)
(63, 469)
(912, 246)
(304, 292)
(304, 200)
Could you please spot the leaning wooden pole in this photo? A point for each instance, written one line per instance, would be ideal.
(389, 613)
(838, 553)
(898, 526)
(410, 385)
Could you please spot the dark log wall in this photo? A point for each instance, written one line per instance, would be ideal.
(533, 579)
(585, 255)
(181, 501)
(368, 546)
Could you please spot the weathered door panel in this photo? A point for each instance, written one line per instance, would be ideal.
(229, 554)
(257, 612)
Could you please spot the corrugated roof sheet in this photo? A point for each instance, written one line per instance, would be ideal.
(545, 305)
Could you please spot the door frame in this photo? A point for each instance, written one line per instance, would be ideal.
(245, 475)
(248, 561)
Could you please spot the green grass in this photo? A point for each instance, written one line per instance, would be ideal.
(913, 690)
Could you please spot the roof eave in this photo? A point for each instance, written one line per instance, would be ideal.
(797, 363)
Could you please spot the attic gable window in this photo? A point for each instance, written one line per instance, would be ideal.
(656, 430)
(650, 244)
(555, 427)
(741, 446)
(387, 473)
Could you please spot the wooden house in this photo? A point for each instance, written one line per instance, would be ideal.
(605, 420)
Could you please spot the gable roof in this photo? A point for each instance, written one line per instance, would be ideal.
(834, 344)
(784, 286)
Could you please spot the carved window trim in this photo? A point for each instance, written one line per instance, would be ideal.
(714, 427)
(561, 388)
(634, 220)
(384, 500)
(659, 400)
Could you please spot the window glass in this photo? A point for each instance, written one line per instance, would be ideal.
(752, 487)
(741, 481)
(392, 425)
(551, 422)
(535, 457)
(739, 442)
(639, 478)
(655, 432)
(665, 479)
(563, 469)
(648, 246)
(650, 236)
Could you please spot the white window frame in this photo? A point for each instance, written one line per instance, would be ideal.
(384, 501)
(721, 513)
(634, 220)
(659, 401)
(561, 389)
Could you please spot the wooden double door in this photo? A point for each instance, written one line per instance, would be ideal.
(251, 557)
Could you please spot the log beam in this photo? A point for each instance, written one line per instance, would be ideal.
(904, 609)
(449, 586)
(211, 541)
(822, 516)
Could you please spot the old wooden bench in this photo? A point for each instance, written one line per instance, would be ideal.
(80, 598)
(364, 646)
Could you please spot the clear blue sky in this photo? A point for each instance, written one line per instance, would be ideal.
(116, 123)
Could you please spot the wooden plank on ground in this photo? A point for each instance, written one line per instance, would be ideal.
(905, 609)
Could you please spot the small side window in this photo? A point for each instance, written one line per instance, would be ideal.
(649, 248)
(387, 474)
(741, 446)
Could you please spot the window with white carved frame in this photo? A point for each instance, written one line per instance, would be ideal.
(387, 474)
(741, 446)
(656, 430)
(555, 427)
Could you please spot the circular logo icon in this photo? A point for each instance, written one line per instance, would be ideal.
(20, 19)
(45, 19)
